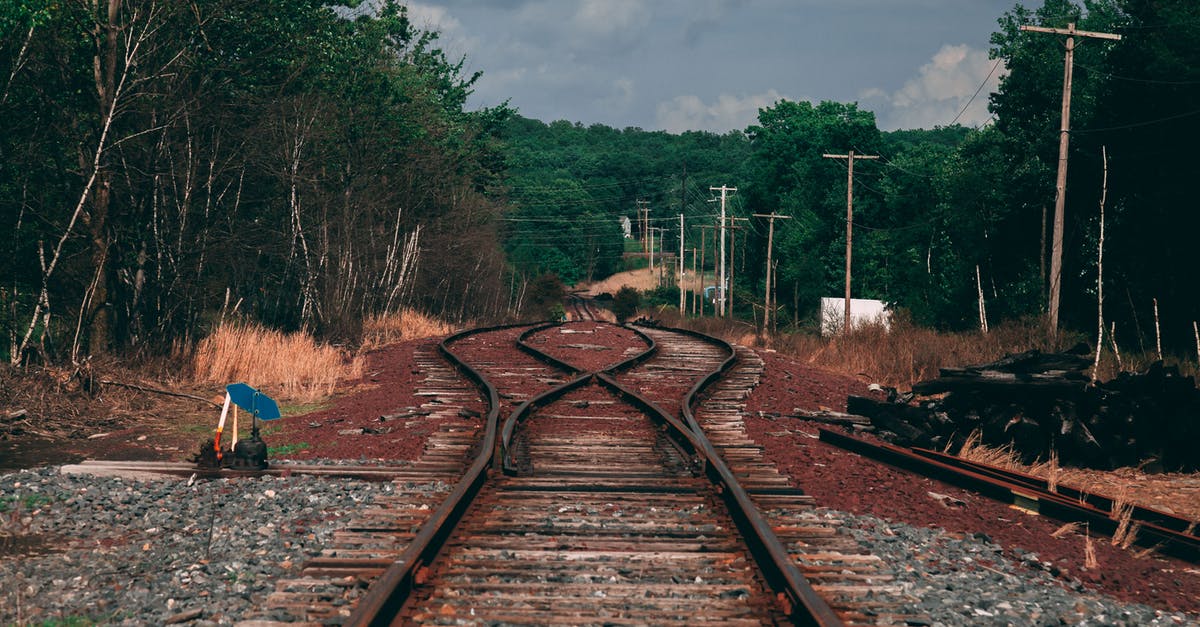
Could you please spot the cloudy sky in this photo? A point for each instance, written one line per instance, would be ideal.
(711, 64)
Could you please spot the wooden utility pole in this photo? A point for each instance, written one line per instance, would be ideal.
(721, 284)
(1060, 185)
(768, 297)
(703, 260)
(650, 232)
(643, 214)
(849, 157)
(734, 228)
(662, 260)
(681, 304)
(694, 298)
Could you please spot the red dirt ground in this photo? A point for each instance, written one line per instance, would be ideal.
(849, 482)
(838, 479)
(589, 345)
(391, 379)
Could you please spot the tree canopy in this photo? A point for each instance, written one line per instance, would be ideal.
(166, 165)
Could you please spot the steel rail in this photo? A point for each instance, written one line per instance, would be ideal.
(522, 412)
(388, 593)
(526, 348)
(1049, 504)
(678, 434)
(799, 599)
(1098, 501)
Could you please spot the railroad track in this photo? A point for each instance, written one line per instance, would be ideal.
(598, 499)
(580, 308)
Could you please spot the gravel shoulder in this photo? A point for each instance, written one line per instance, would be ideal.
(850, 483)
(119, 551)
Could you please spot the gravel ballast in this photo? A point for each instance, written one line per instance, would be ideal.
(136, 552)
(960, 579)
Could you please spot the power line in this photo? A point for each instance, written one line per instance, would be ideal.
(1138, 124)
(981, 86)
(1133, 79)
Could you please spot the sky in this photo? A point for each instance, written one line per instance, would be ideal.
(709, 65)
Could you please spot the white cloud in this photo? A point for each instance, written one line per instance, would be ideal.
(622, 94)
(453, 38)
(429, 17)
(940, 90)
(609, 17)
(728, 112)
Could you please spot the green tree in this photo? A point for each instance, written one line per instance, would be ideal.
(625, 303)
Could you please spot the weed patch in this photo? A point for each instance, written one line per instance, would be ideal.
(286, 449)
(292, 365)
(400, 326)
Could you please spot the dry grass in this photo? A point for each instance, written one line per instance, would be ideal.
(291, 365)
(1066, 530)
(1089, 552)
(1176, 493)
(900, 357)
(1052, 472)
(1002, 457)
(907, 353)
(400, 326)
(642, 280)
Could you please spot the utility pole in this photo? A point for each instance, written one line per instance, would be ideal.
(721, 279)
(768, 298)
(681, 304)
(643, 214)
(734, 228)
(703, 261)
(650, 232)
(662, 260)
(1060, 185)
(694, 296)
(849, 157)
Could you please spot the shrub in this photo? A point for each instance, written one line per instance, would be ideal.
(625, 303)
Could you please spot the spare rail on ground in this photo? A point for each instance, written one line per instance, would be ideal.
(993, 483)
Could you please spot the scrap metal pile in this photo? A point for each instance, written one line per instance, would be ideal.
(1041, 402)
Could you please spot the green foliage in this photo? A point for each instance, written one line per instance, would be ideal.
(625, 303)
(287, 449)
(570, 185)
(272, 155)
(544, 300)
(306, 170)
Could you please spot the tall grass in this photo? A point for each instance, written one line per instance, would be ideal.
(906, 353)
(291, 365)
(403, 325)
(897, 357)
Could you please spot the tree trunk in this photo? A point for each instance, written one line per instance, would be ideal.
(99, 314)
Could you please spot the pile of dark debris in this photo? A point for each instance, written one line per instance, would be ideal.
(1042, 402)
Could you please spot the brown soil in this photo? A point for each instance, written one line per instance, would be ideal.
(849, 482)
(590, 346)
(62, 414)
(387, 387)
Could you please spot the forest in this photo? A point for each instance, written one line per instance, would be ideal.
(164, 166)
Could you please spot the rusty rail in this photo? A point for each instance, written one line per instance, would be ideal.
(389, 592)
(796, 595)
(801, 602)
(1023, 494)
